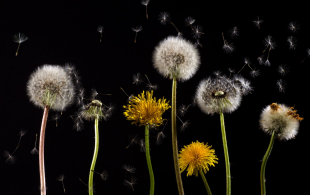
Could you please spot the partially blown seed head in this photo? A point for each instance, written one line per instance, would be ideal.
(176, 57)
(221, 94)
(52, 86)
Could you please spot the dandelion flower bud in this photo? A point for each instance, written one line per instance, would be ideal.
(221, 94)
(52, 86)
(176, 57)
(281, 119)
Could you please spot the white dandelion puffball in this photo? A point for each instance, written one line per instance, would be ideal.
(221, 94)
(51, 85)
(176, 57)
(281, 119)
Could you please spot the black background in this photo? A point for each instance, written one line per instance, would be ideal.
(67, 32)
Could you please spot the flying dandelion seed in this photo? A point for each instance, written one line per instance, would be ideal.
(103, 175)
(35, 150)
(197, 31)
(184, 124)
(283, 70)
(164, 18)
(100, 30)
(246, 62)
(234, 32)
(10, 158)
(19, 38)
(142, 145)
(61, 178)
(267, 63)
(269, 42)
(258, 22)
(160, 135)
(132, 181)
(137, 29)
(189, 21)
(183, 109)
(308, 53)
(137, 79)
(129, 168)
(217, 73)
(293, 26)
(197, 43)
(150, 86)
(230, 71)
(228, 48)
(254, 73)
(56, 117)
(146, 2)
(292, 42)
(281, 85)
(133, 139)
(261, 59)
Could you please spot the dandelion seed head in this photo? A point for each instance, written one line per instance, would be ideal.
(19, 38)
(281, 119)
(189, 21)
(221, 94)
(137, 79)
(129, 184)
(176, 57)
(197, 156)
(93, 110)
(267, 63)
(51, 85)
(164, 18)
(293, 26)
(184, 126)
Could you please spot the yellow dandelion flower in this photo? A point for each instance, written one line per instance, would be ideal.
(196, 156)
(144, 110)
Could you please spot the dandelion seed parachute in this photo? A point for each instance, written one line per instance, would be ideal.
(176, 57)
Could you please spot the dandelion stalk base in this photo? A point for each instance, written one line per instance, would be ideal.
(41, 151)
(228, 181)
(264, 163)
(174, 138)
(205, 182)
(92, 168)
(148, 160)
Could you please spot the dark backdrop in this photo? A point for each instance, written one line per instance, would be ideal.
(67, 32)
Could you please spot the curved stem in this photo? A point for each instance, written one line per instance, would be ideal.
(263, 167)
(205, 182)
(92, 168)
(41, 152)
(174, 138)
(148, 160)
(228, 182)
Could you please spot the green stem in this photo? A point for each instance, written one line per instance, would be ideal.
(92, 168)
(174, 138)
(228, 182)
(205, 182)
(148, 160)
(263, 167)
